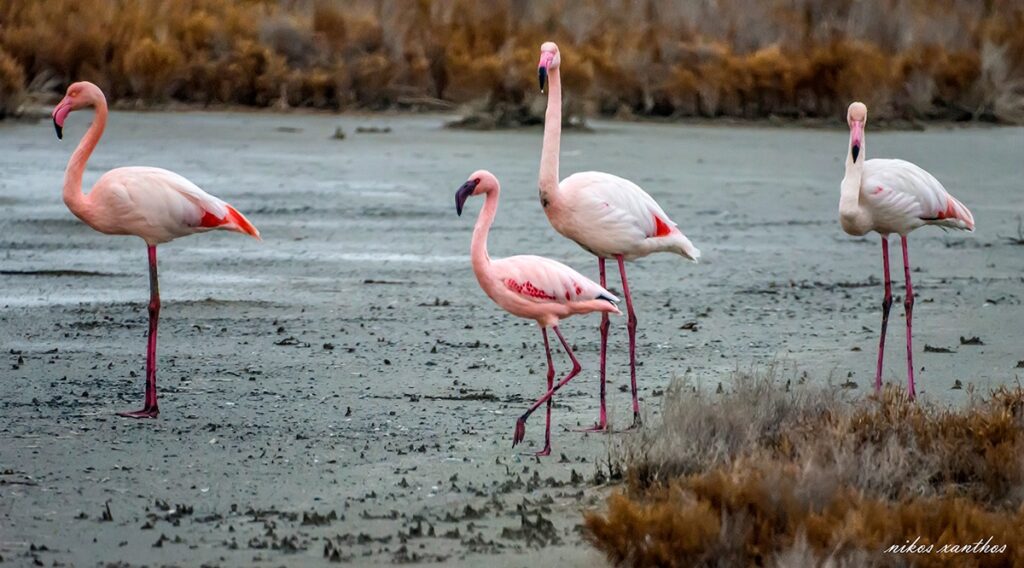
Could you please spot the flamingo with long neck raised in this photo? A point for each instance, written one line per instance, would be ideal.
(151, 203)
(531, 287)
(892, 196)
(608, 216)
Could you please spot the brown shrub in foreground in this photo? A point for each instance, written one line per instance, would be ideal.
(743, 58)
(772, 475)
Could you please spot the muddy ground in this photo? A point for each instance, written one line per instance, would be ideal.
(343, 390)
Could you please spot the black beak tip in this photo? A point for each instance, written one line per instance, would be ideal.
(59, 129)
(542, 77)
(855, 151)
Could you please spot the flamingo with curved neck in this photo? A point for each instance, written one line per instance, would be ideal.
(530, 287)
(151, 203)
(607, 215)
(892, 196)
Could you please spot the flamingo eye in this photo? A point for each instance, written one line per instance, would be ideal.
(476, 180)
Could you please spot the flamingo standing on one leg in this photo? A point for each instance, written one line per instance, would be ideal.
(892, 196)
(151, 203)
(608, 216)
(531, 287)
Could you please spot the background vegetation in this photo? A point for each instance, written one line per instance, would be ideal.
(783, 474)
(917, 59)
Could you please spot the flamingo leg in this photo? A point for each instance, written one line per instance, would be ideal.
(602, 424)
(908, 305)
(520, 432)
(551, 383)
(886, 304)
(150, 409)
(631, 326)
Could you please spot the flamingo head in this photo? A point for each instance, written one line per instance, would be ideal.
(549, 59)
(856, 117)
(79, 95)
(482, 181)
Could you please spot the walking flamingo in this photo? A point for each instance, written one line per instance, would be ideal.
(608, 216)
(892, 196)
(151, 203)
(530, 287)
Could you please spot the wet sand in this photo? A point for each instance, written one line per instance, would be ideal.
(345, 389)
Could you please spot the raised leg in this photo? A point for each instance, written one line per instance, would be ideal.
(886, 304)
(908, 304)
(150, 409)
(602, 422)
(520, 432)
(631, 326)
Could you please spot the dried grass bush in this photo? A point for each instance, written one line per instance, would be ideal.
(770, 473)
(951, 59)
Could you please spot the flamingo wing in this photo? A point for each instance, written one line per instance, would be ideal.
(160, 205)
(543, 280)
(900, 189)
(616, 204)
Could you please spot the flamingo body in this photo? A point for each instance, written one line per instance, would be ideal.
(610, 216)
(157, 205)
(898, 196)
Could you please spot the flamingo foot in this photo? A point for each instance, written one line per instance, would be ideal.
(601, 426)
(637, 422)
(545, 452)
(144, 413)
(520, 431)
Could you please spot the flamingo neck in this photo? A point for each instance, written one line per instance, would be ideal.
(852, 215)
(73, 196)
(548, 182)
(478, 249)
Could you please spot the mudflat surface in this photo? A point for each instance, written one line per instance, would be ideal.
(344, 389)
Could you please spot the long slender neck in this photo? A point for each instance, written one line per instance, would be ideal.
(552, 136)
(478, 249)
(853, 217)
(73, 196)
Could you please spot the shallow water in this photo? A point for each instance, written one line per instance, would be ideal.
(363, 251)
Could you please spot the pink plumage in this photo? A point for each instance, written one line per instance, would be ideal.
(531, 287)
(893, 196)
(153, 204)
(607, 215)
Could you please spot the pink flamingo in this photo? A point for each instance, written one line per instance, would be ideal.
(608, 216)
(530, 287)
(892, 196)
(151, 203)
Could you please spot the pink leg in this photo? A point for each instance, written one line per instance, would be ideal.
(886, 304)
(631, 326)
(150, 410)
(551, 383)
(602, 424)
(520, 432)
(908, 304)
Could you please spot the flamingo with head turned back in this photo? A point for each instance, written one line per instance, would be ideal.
(892, 196)
(608, 216)
(151, 203)
(530, 287)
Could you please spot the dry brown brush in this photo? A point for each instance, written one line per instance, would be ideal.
(770, 475)
(952, 59)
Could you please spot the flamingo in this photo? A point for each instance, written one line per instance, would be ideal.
(610, 217)
(892, 196)
(531, 287)
(151, 203)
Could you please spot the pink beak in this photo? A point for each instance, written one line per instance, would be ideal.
(856, 138)
(60, 113)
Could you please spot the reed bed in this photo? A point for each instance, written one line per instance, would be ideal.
(773, 474)
(908, 59)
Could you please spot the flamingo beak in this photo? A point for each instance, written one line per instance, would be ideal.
(463, 194)
(60, 112)
(542, 69)
(856, 138)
